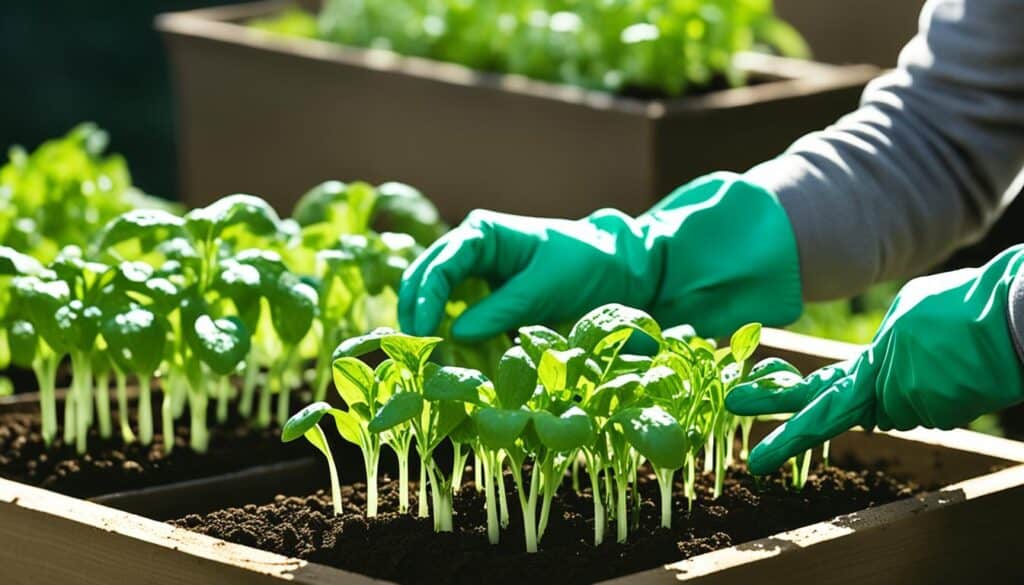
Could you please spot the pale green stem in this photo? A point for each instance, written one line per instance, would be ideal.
(691, 481)
(283, 390)
(46, 374)
(493, 528)
(746, 424)
(599, 514)
(199, 437)
(719, 467)
(145, 411)
(621, 521)
(69, 417)
(81, 372)
(167, 419)
(824, 453)
(477, 473)
(252, 373)
(223, 398)
(665, 487)
(499, 475)
(423, 510)
(709, 454)
(371, 483)
(121, 384)
(103, 404)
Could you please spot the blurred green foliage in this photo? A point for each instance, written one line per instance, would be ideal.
(628, 46)
(852, 320)
(64, 192)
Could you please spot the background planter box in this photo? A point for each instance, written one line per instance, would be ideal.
(274, 116)
(948, 535)
(853, 31)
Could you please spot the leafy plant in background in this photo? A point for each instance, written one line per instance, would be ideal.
(555, 400)
(649, 46)
(203, 302)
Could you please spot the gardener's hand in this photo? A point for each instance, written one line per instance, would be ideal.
(945, 354)
(717, 253)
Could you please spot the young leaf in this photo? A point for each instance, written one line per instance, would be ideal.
(411, 352)
(452, 383)
(402, 407)
(536, 339)
(499, 428)
(353, 379)
(655, 434)
(516, 380)
(301, 422)
(571, 430)
(139, 224)
(348, 425)
(363, 344)
(744, 342)
(14, 263)
(312, 207)
(402, 208)
(611, 325)
(136, 339)
(221, 344)
(559, 370)
(210, 221)
(292, 309)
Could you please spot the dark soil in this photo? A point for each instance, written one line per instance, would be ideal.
(403, 548)
(111, 466)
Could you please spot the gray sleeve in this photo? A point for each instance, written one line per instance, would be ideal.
(925, 165)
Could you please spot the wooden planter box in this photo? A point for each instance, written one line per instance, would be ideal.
(953, 534)
(853, 31)
(274, 116)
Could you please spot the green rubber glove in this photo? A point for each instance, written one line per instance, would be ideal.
(943, 356)
(717, 253)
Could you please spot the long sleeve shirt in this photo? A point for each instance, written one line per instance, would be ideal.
(925, 165)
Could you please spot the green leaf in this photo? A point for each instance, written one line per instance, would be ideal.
(620, 390)
(663, 382)
(222, 344)
(536, 339)
(411, 352)
(353, 379)
(572, 429)
(14, 263)
(516, 380)
(292, 309)
(744, 342)
(610, 326)
(363, 344)
(402, 407)
(254, 213)
(312, 207)
(42, 299)
(449, 415)
(23, 342)
(452, 383)
(499, 428)
(136, 339)
(155, 225)
(303, 421)
(401, 208)
(466, 432)
(348, 424)
(655, 434)
(560, 370)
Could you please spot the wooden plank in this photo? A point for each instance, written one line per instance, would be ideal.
(939, 537)
(804, 351)
(50, 538)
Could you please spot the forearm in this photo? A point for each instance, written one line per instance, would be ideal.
(923, 167)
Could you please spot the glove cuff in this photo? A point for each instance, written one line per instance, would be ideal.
(729, 256)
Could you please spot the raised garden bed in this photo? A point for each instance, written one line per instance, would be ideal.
(946, 534)
(274, 115)
(112, 466)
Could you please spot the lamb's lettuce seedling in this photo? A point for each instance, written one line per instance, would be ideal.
(136, 338)
(305, 423)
